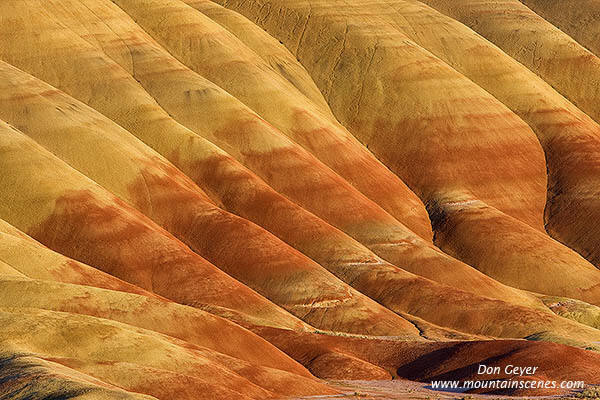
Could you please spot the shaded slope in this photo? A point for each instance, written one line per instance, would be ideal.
(454, 360)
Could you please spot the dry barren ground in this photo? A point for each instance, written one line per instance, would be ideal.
(297, 199)
(409, 390)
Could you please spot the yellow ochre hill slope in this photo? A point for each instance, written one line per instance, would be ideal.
(249, 199)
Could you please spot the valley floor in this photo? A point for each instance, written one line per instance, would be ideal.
(410, 390)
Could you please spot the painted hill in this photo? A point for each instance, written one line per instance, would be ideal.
(556, 58)
(236, 199)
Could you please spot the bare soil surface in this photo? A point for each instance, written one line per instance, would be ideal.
(404, 389)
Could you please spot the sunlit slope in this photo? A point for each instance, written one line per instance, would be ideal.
(530, 39)
(141, 360)
(51, 121)
(233, 199)
(186, 323)
(440, 132)
(33, 260)
(135, 306)
(228, 62)
(25, 375)
(266, 151)
(194, 326)
(71, 214)
(149, 183)
(561, 128)
(317, 187)
(404, 292)
(579, 19)
(421, 95)
(570, 138)
(382, 275)
(241, 132)
(267, 47)
(319, 133)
